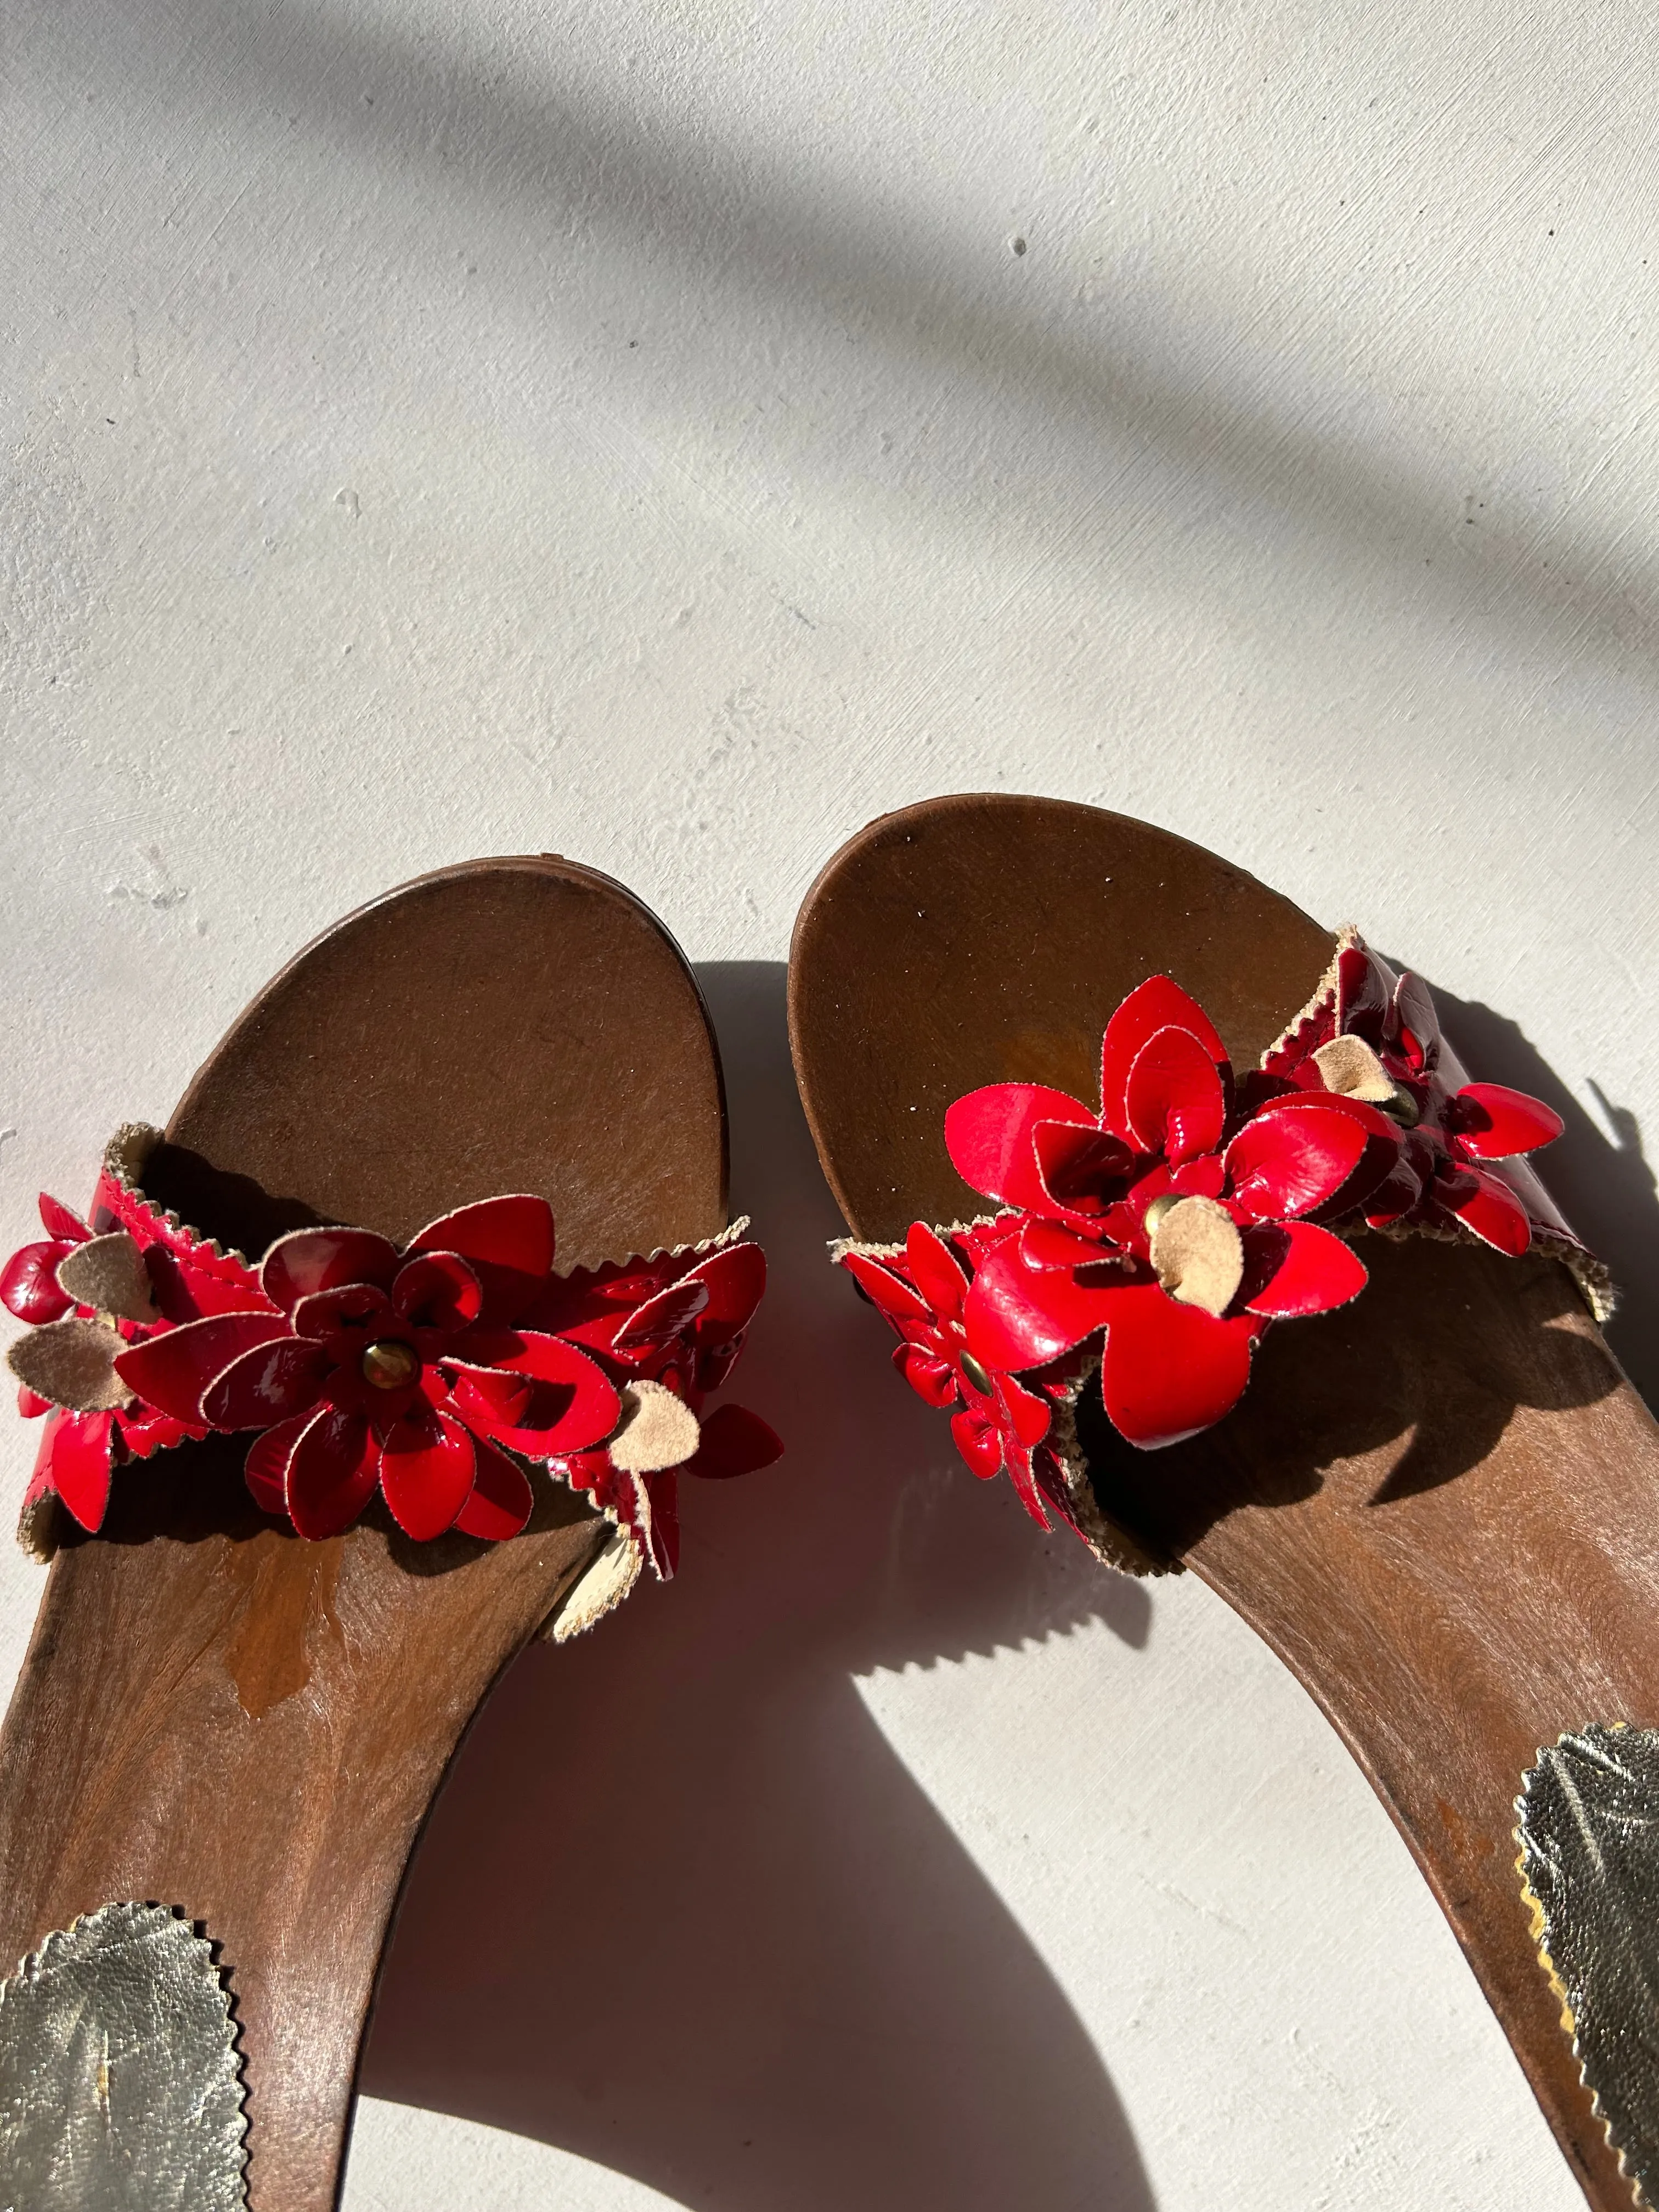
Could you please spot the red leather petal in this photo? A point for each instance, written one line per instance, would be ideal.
(1293, 1156)
(1362, 995)
(1018, 1316)
(28, 1285)
(1173, 1100)
(59, 1224)
(1017, 1464)
(425, 1472)
(273, 1383)
(1051, 1244)
(888, 1293)
(660, 1319)
(1156, 1004)
(30, 1404)
(501, 1499)
(1413, 1026)
(1031, 1416)
(1493, 1211)
(988, 1137)
(1493, 1122)
(363, 1307)
(933, 1379)
(332, 1473)
(1296, 1268)
(1204, 1177)
(576, 1404)
(1047, 1474)
(734, 1442)
(437, 1290)
(510, 1243)
(1169, 1370)
(75, 1452)
(265, 1469)
(659, 1523)
(307, 1260)
(935, 1272)
(1079, 1169)
(735, 1277)
(979, 1445)
(171, 1371)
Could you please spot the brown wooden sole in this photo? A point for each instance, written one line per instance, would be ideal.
(216, 1716)
(1440, 1506)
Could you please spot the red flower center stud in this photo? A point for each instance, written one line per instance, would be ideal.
(1154, 1240)
(436, 1377)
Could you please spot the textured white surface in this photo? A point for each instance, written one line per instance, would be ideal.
(428, 429)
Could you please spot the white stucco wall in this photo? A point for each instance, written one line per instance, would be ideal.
(671, 435)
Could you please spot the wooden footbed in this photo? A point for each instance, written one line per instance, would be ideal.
(216, 1716)
(1440, 1506)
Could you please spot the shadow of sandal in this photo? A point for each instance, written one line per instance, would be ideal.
(1381, 1376)
(681, 1909)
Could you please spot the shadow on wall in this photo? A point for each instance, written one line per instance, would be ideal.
(680, 1909)
(541, 152)
(1603, 1184)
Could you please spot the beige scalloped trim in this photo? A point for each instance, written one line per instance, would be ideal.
(1323, 1000)
(126, 1157)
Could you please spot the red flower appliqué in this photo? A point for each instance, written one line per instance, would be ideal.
(999, 1424)
(1165, 1232)
(1378, 1038)
(371, 1369)
(430, 1375)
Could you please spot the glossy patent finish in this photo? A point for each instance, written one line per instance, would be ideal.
(220, 1715)
(1436, 1503)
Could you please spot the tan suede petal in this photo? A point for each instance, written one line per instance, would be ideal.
(1198, 1253)
(72, 1364)
(658, 1430)
(1353, 1070)
(109, 1274)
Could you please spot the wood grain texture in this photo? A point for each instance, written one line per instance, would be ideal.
(217, 1715)
(1440, 1506)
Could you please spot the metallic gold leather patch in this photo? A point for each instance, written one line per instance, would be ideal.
(1589, 1832)
(120, 2086)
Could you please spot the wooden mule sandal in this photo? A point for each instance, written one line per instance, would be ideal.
(1110, 1123)
(308, 1487)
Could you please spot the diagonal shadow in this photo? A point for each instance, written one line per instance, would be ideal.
(679, 1908)
(582, 175)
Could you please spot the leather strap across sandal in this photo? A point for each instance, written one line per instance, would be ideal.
(1189, 1216)
(307, 1488)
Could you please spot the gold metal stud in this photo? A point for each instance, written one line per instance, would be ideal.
(976, 1374)
(389, 1364)
(1159, 1206)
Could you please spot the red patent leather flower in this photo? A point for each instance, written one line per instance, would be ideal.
(669, 1331)
(1164, 1233)
(403, 1372)
(428, 1374)
(1168, 1220)
(997, 1423)
(1378, 1040)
